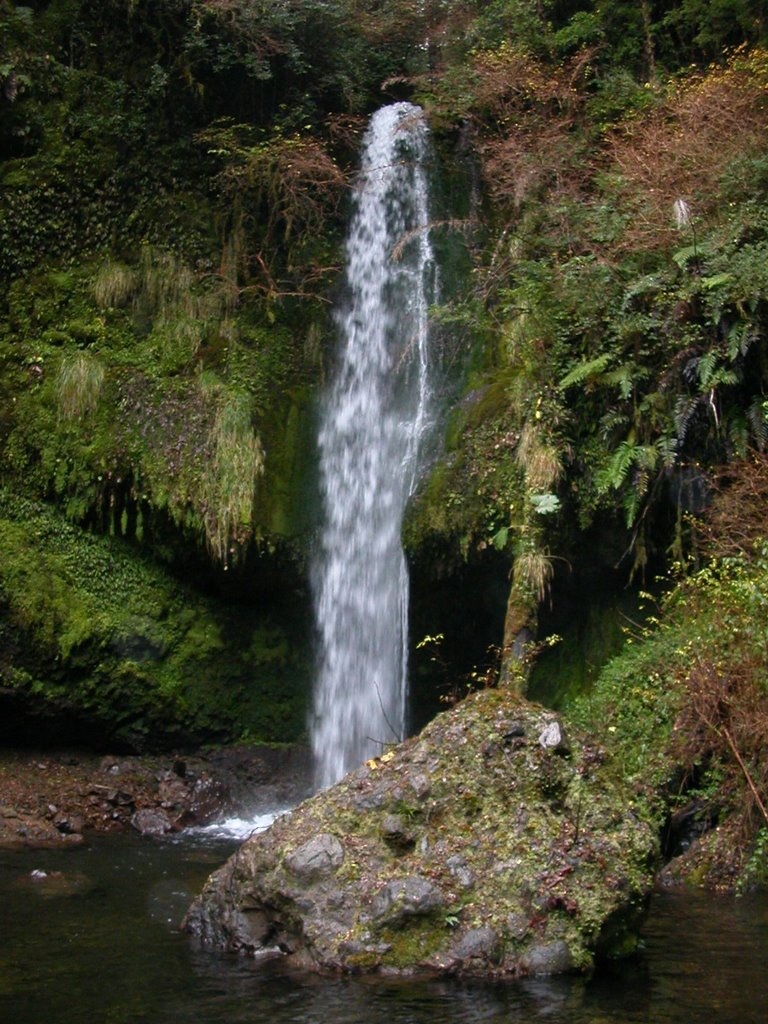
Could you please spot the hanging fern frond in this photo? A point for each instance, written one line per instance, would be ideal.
(706, 367)
(616, 419)
(685, 407)
(631, 505)
(584, 370)
(667, 449)
(757, 417)
(741, 337)
(615, 473)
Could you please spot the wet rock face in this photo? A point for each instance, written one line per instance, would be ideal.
(494, 844)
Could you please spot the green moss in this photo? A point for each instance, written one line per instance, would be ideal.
(414, 942)
(115, 640)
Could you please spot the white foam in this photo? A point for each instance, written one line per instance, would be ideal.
(238, 828)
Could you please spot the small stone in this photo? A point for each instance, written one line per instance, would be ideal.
(517, 925)
(458, 867)
(404, 898)
(68, 824)
(548, 958)
(552, 737)
(151, 822)
(420, 784)
(475, 943)
(321, 855)
(172, 792)
(396, 834)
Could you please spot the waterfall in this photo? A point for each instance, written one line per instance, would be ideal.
(374, 417)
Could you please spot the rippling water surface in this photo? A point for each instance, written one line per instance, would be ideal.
(97, 941)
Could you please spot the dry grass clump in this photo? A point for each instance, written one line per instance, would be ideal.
(114, 284)
(539, 460)
(235, 464)
(78, 385)
(533, 572)
(737, 519)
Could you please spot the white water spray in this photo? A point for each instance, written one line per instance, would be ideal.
(375, 416)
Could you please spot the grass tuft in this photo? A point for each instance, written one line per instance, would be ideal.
(78, 386)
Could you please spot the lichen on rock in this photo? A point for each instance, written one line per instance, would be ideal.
(523, 857)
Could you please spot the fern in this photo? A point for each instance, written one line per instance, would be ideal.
(715, 281)
(584, 370)
(741, 337)
(706, 368)
(612, 421)
(758, 422)
(615, 473)
(685, 407)
(625, 377)
(691, 252)
(667, 449)
(631, 504)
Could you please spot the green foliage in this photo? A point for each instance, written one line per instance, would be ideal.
(652, 323)
(106, 635)
(688, 699)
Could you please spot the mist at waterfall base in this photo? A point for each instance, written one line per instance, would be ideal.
(374, 418)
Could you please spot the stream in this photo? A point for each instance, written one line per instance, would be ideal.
(99, 943)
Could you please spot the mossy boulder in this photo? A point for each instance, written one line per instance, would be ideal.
(524, 856)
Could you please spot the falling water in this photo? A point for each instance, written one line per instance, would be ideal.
(375, 415)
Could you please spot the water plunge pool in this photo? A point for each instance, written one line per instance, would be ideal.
(97, 941)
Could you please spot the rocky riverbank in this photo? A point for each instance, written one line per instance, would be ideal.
(492, 844)
(54, 798)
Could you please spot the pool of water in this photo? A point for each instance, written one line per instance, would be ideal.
(96, 940)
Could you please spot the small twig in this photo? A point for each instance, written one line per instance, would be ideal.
(747, 775)
(392, 729)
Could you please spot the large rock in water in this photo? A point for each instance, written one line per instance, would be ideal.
(488, 845)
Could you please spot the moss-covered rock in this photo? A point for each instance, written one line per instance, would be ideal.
(524, 856)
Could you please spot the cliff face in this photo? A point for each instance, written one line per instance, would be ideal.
(493, 844)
